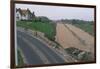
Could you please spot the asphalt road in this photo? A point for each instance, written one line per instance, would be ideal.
(35, 52)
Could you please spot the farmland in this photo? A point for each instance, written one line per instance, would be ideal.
(75, 41)
(87, 26)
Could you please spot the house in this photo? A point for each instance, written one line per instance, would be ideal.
(24, 14)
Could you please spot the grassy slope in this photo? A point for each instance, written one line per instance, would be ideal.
(88, 27)
(48, 29)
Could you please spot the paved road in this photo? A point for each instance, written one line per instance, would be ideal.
(35, 52)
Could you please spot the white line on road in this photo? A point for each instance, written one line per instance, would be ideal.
(39, 53)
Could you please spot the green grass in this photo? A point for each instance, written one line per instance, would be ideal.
(47, 28)
(20, 59)
(88, 27)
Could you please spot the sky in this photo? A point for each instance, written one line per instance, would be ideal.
(59, 12)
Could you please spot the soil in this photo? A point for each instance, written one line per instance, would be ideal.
(70, 36)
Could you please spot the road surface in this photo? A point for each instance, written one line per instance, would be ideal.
(35, 52)
(70, 36)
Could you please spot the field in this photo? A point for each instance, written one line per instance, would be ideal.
(87, 27)
(75, 41)
(47, 28)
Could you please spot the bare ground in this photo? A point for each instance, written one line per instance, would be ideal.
(71, 36)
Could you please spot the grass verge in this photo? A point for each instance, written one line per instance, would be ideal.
(20, 58)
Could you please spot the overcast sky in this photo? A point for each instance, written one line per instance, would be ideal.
(56, 12)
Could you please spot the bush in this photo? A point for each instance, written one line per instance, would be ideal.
(87, 56)
(80, 55)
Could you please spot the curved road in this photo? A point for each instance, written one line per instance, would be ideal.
(35, 52)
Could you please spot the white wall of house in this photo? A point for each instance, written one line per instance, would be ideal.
(18, 16)
(25, 17)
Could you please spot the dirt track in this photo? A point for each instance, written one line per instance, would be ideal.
(71, 36)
